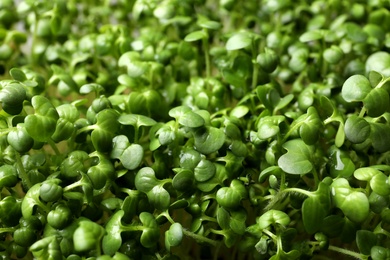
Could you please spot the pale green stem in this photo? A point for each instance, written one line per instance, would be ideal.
(7, 230)
(347, 252)
(270, 234)
(362, 112)
(316, 178)
(73, 185)
(383, 82)
(86, 129)
(304, 192)
(22, 172)
(136, 133)
(54, 147)
(207, 57)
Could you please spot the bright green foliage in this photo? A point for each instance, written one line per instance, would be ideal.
(194, 129)
(356, 88)
(173, 236)
(42, 124)
(297, 160)
(87, 236)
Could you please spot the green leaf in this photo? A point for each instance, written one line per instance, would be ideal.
(136, 120)
(268, 60)
(365, 240)
(239, 111)
(311, 126)
(374, 78)
(91, 87)
(166, 134)
(105, 129)
(189, 158)
(273, 217)
(268, 126)
(239, 41)
(10, 211)
(112, 239)
(268, 96)
(132, 156)
(87, 236)
(354, 204)
(356, 88)
(102, 173)
(283, 102)
(145, 103)
(377, 102)
(18, 74)
(50, 190)
(185, 116)
(340, 164)
(151, 233)
(55, 23)
(19, 139)
(379, 184)
(298, 61)
(120, 143)
(208, 24)
(135, 66)
(12, 97)
(145, 179)
(333, 225)
(297, 160)
(220, 176)
(46, 248)
(204, 171)
(59, 217)
(159, 197)
(230, 197)
(59, 73)
(315, 209)
(30, 200)
(208, 139)
(378, 61)
(271, 170)
(357, 129)
(173, 236)
(311, 36)
(333, 55)
(355, 32)
(42, 124)
(68, 114)
(196, 36)
(380, 137)
(366, 173)
(183, 180)
(237, 221)
(379, 253)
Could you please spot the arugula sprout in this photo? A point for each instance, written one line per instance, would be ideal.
(198, 128)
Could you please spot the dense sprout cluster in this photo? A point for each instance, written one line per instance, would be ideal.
(194, 129)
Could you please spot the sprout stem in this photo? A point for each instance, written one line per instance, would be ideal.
(54, 147)
(304, 192)
(7, 229)
(21, 170)
(347, 252)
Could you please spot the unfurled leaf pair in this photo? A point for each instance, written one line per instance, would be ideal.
(358, 88)
(377, 180)
(146, 182)
(131, 155)
(353, 203)
(112, 240)
(363, 132)
(230, 197)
